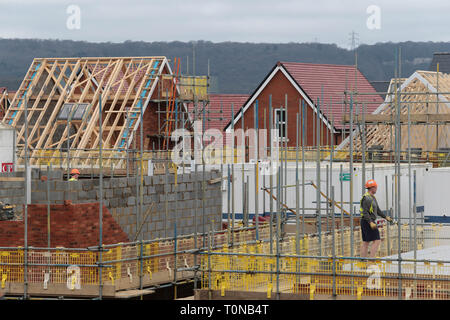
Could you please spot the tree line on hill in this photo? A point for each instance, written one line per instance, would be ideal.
(234, 67)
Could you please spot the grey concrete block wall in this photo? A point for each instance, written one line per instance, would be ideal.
(169, 202)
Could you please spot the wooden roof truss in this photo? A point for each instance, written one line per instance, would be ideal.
(418, 93)
(125, 86)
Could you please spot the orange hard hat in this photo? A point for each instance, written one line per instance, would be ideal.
(371, 183)
(74, 171)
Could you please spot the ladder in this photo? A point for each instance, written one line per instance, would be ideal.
(169, 108)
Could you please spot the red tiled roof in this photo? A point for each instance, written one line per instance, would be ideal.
(219, 108)
(333, 78)
(218, 111)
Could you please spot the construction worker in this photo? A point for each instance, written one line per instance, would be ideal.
(74, 175)
(369, 209)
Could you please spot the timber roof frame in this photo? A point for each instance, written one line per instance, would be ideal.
(126, 85)
(422, 86)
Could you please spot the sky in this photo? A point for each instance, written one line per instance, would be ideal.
(269, 21)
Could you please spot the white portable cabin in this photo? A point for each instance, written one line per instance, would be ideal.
(7, 147)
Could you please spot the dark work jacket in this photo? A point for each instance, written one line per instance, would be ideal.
(369, 208)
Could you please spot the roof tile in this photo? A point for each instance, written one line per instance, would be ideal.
(334, 79)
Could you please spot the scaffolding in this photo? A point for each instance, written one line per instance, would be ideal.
(317, 259)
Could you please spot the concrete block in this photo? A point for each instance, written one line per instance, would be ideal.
(189, 230)
(196, 177)
(148, 180)
(117, 192)
(114, 202)
(185, 213)
(106, 183)
(96, 182)
(17, 200)
(189, 221)
(87, 185)
(147, 200)
(180, 187)
(57, 196)
(70, 195)
(151, 190)
(159, 189)
(186, 177)
(131, 181)
(12, 185)
(114, 183)
(188, 204)
(123, 202)
(131, 201)
(158, 179)
(42, 185)
(126, 192)
(12, 174)
(159, 207)
(84, 195)
(37, 196)
(72, 185)
(188, 195)
(122, 182)
(54, 174)
(108, 193)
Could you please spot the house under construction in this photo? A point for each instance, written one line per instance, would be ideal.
(70, 102)
(227, 230)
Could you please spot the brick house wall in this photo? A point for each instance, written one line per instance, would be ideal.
(71, 226)
(278, 87)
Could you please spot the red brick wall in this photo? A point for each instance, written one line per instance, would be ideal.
(278, 87)
(71, 226)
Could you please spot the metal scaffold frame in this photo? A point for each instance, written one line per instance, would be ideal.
(261, 257)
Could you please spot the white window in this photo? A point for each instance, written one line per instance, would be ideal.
(280, 122)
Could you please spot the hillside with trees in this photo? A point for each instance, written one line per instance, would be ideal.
(234, 67)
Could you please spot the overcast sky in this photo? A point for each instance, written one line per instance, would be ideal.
(275, 21)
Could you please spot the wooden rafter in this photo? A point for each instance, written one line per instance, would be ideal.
(49, 83)
(429, 110)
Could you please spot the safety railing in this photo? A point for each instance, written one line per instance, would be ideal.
(288, 267)
(76, 271)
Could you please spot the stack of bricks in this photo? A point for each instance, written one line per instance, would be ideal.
(71, 226)
(164, 202)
